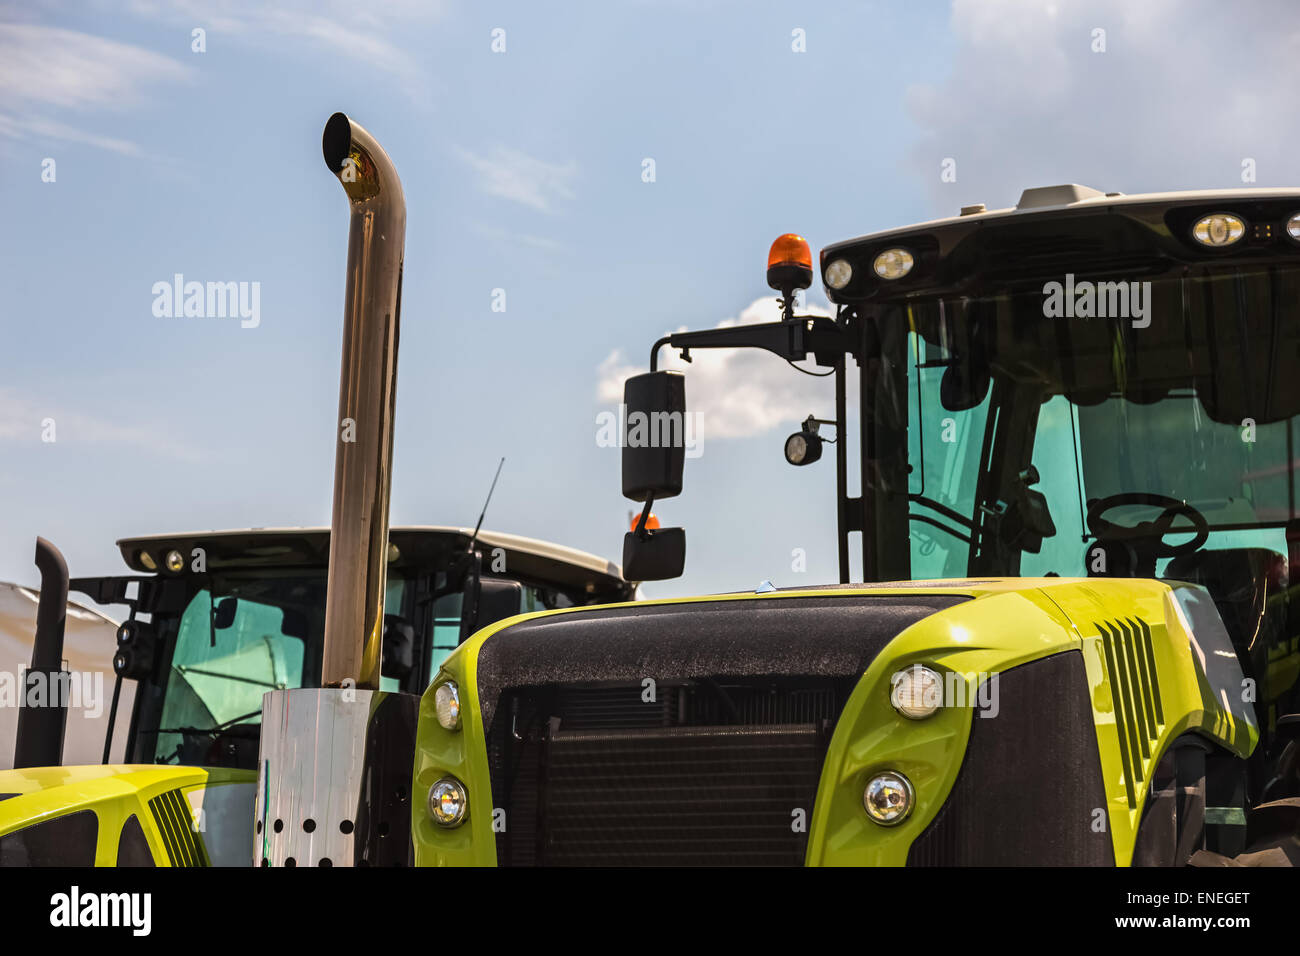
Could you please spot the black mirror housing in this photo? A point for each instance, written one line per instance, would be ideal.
(399, 647)
(498, 599)
(224, 615)
(654, 435)
(654, 556)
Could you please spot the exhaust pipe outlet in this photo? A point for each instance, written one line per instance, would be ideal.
(358, 563)
(43, 708)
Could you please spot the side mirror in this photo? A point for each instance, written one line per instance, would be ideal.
(658, 556)
(225, 613)
(488, 600)
(964, 387)
(654, 435)
(399, 647)
(498, 599)
(293, 623)
(654, 452)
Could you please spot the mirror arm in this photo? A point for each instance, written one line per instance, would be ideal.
(640, 529)
(791, 339)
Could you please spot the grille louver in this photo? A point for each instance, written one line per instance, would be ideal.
(1139, 716)
(171, 813)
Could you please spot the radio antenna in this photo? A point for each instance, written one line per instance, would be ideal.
(488, 500)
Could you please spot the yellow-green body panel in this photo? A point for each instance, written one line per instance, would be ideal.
(114, 792)
(1008, 623)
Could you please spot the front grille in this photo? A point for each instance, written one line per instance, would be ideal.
(1030, 785)
(698, 772)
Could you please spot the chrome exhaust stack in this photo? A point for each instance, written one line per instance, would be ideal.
(354, 603)
(334, 762)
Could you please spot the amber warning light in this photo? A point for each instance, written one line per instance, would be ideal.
(789, 264)
(651, 523)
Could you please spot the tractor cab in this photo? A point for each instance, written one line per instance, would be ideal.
(1086, 385)
(220, 618)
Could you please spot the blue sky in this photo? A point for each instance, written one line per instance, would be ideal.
(522, 171)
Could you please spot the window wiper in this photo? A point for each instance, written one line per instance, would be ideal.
(200, 731)
(959, 535)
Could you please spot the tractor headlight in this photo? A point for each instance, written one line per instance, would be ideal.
(1219, 229)
(893, 263)
(175, 562)
(917, 692)
(838, 274)
(448, 802)
(447, 701)
(1293, 227)
(888, 798)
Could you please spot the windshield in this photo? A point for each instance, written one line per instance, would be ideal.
(250, 632)
(1022, 421)
(238, 639)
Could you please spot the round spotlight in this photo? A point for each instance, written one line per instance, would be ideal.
(146, 559)
(917, 692)
(838, 274)
(888, 798)
(893, 263)
(175, 562)
(1293, 227)
(803, 448)
(448, 802)
(127, 632)
(446, 700)
(1220, 229)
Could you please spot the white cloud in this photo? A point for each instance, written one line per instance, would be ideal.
(360, 31)
(51, 66)
(514, 175)
(499, 235)
(46, 70)
(23, 420)
(738, 392)
(1182, 94)
(35, 127)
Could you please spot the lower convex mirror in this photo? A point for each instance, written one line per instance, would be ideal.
(654, 555)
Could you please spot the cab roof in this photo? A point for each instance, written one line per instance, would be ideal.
(1054, 230)
(1041, 199)
(416, 545)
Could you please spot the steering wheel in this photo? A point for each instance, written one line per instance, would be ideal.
(1150, 534)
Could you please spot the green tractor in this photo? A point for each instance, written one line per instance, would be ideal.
(1076, 639)
(1072, 640)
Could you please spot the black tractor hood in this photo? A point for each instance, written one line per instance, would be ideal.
(758, 637)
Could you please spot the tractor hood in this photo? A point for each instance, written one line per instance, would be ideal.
(829, 637)
(125, 815)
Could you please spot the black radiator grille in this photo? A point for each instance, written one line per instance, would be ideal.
(708, 772)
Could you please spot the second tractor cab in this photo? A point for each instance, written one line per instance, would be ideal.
(219, 618)
(253, 620)
(1070, 470)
